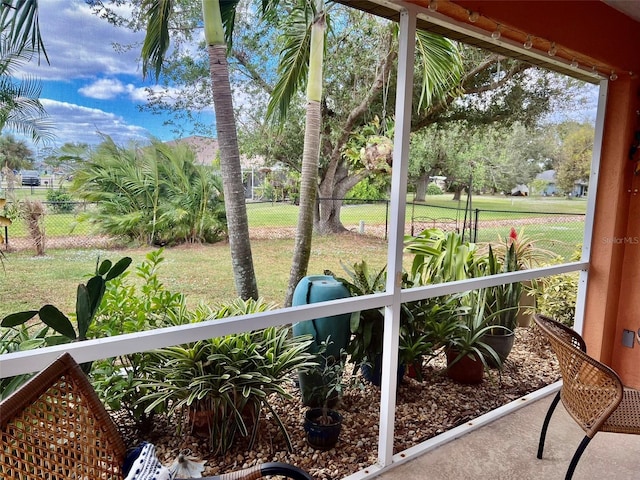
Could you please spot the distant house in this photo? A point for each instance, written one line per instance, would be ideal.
(206, 151)
(549, 177)
(520, 190)
(580, 187)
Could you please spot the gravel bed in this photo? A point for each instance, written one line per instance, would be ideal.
(424, 410)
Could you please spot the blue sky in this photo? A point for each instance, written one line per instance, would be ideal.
(88, 88)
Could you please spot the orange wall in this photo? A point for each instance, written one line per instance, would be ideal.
(623, 359)
(601, 331)
(600, 32)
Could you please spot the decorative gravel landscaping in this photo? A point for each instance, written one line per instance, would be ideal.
(424, 410)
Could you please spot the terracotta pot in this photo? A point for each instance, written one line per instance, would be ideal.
(468, 369)
(527, 302)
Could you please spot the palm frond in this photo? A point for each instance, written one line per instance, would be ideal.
(20, 23)
(157, 40)
(441, 67)
(294, 62)
(228, 12)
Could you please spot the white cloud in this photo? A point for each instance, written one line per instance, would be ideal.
(103, 89)
(75, 123)
(81, 44)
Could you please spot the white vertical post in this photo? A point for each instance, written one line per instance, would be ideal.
(578, 323)
(406, 62)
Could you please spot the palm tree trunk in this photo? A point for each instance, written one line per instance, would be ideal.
(234, 200)
(310, 156)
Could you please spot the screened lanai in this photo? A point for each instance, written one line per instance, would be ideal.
(591, 40)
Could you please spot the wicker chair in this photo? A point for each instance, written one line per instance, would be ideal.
(56, 428)
(591, 392)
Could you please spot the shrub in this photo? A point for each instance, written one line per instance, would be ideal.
(368, 189)
(60, 201)
(556, 297)
(130, 307)
(152, 195)
(433, 189)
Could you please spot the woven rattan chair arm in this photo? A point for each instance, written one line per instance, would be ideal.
(47, 413)
(561, 330)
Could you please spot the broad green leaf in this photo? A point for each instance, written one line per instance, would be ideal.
(57, 320)
(95, 291)
(105, 266)
(32, 343)
(18, 318)
(56, 340)
(83, 310)
(118, 268)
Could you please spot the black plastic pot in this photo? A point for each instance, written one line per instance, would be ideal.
(501, 344)
(373, 374)
(319, 435)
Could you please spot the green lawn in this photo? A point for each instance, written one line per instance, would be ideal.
(203, 272)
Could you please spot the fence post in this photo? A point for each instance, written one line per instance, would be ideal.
(386, 219)
(475, 229)
(6, 237)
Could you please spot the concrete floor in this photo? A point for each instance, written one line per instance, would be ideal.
(506, 450)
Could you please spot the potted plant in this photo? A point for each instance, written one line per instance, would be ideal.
(365, 346)
(502, 303)
(528, 255)
(323, 424)
(219, 386)
(464, 346)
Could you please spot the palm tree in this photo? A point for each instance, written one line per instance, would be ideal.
(20, 108)
(305, 30)
(303, 53)
(218, 18)
(20, 25)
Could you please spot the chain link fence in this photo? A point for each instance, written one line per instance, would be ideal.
(556, 231)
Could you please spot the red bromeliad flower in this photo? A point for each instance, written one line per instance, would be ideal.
(513, 235)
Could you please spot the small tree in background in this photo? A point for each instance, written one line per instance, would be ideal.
(32, 211)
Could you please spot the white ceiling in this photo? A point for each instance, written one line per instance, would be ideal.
(630, 8)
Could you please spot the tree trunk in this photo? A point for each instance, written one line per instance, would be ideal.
(457, 193)
(310, 159)
(308, 191)
(234, 202)
(333, 189)
(421, 188)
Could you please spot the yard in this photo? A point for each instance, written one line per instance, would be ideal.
(203, 272)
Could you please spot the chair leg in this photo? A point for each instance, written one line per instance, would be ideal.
(545, 425)
(576, 457)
